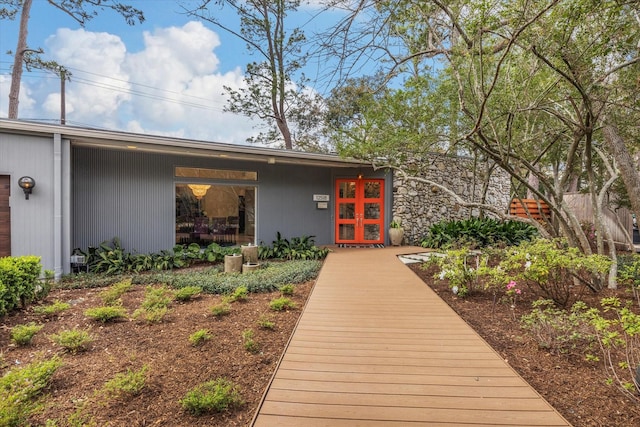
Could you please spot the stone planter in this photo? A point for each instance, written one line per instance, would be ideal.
(395, 236)
(249, 267)
(233, 263)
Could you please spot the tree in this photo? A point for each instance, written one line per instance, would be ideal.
(539, 86)
(80, 10)
(289, 109)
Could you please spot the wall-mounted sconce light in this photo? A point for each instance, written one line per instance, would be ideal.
(27, 183)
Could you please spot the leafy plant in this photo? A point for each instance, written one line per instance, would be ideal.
(618, 337)
(51, 309)
(213, 396)
(298, 248)
(460, 267)
(478, 232)
(73, 340)
(249, 342)
(221, 309)
(239, 294)
(199, 337)
(130, 383)
(282, 303)
(19, 282)
(20, 388)
(188, 293)
(111, 295)
(157, 297)
(151, 315)
(108, 313)
(23, 334)
(287, 289)
(265, 322)
(629, 275)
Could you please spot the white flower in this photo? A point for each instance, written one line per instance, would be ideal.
(443, 274)
(454, 290)
(527, 265)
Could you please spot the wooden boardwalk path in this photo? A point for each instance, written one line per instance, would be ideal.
(375, 346)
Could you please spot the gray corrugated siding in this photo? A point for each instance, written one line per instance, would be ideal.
(131, 195)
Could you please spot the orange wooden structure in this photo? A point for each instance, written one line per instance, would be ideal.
(538, 209)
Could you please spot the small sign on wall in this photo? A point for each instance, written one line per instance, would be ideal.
(322, 205)
(320, 197)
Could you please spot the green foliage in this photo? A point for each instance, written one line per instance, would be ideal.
(73, 340)
(52, 309)
(20, 388)
(299, 248)
(241, 293)
(558, 330)
(107, 313)
(19, 283)
(552, 269)
(112, 295)
(287, 289)
(127, 384)
(267, 279)
(460, 267)
(248, 341)
(629, 274)
(199, 337)
(213, 396)
(221, 309)
(155, 305)
(618, 336)
(188, 293)
(23, 334)
(216, 253)
(265, 322)
(282, 303)
(151, 315)
(478, 232)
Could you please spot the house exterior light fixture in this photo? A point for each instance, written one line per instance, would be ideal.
(199, 190)
(27, 183)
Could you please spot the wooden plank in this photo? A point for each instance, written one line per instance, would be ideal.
(442, 362)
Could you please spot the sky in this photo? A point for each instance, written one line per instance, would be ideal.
(162, 77)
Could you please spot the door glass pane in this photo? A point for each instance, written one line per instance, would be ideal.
(347, 190)
(347, 232)
(347, 210)
(372, 211)
(371, 190)
(372, 232)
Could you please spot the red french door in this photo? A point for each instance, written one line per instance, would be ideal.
(360, 211)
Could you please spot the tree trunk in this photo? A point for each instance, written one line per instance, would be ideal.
(18, 60)
(627, 167)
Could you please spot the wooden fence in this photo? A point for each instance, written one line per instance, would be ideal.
(617, 221)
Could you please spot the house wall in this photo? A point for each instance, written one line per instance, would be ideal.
(131, 195)
(35, 223)
(418, 205)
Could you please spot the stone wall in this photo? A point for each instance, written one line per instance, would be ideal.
(418, 205)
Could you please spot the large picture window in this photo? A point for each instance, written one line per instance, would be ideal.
(207, 213)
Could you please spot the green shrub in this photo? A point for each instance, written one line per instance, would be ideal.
(265, 322)
(629, 274)
(112, 295)
(19, 282)
(199, 337)
(151, 315)
(282, 303)
(287, 289)
(73, 340)
(249, 342)
(187, 293)
(239, 294)
(52, 309)
(478, 232)
(221, 309)
(23, 334)
(460, 267)
(20, 388)
(213, 396)
(130, 383)
(108, 313)
(299, 248)
(267, 279)
(157, 297)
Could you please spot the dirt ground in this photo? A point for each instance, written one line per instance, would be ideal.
(574, 388)
(175, 366)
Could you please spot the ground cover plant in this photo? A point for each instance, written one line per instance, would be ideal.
(104, 383)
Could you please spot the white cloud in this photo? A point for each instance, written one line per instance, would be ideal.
(172, 86)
